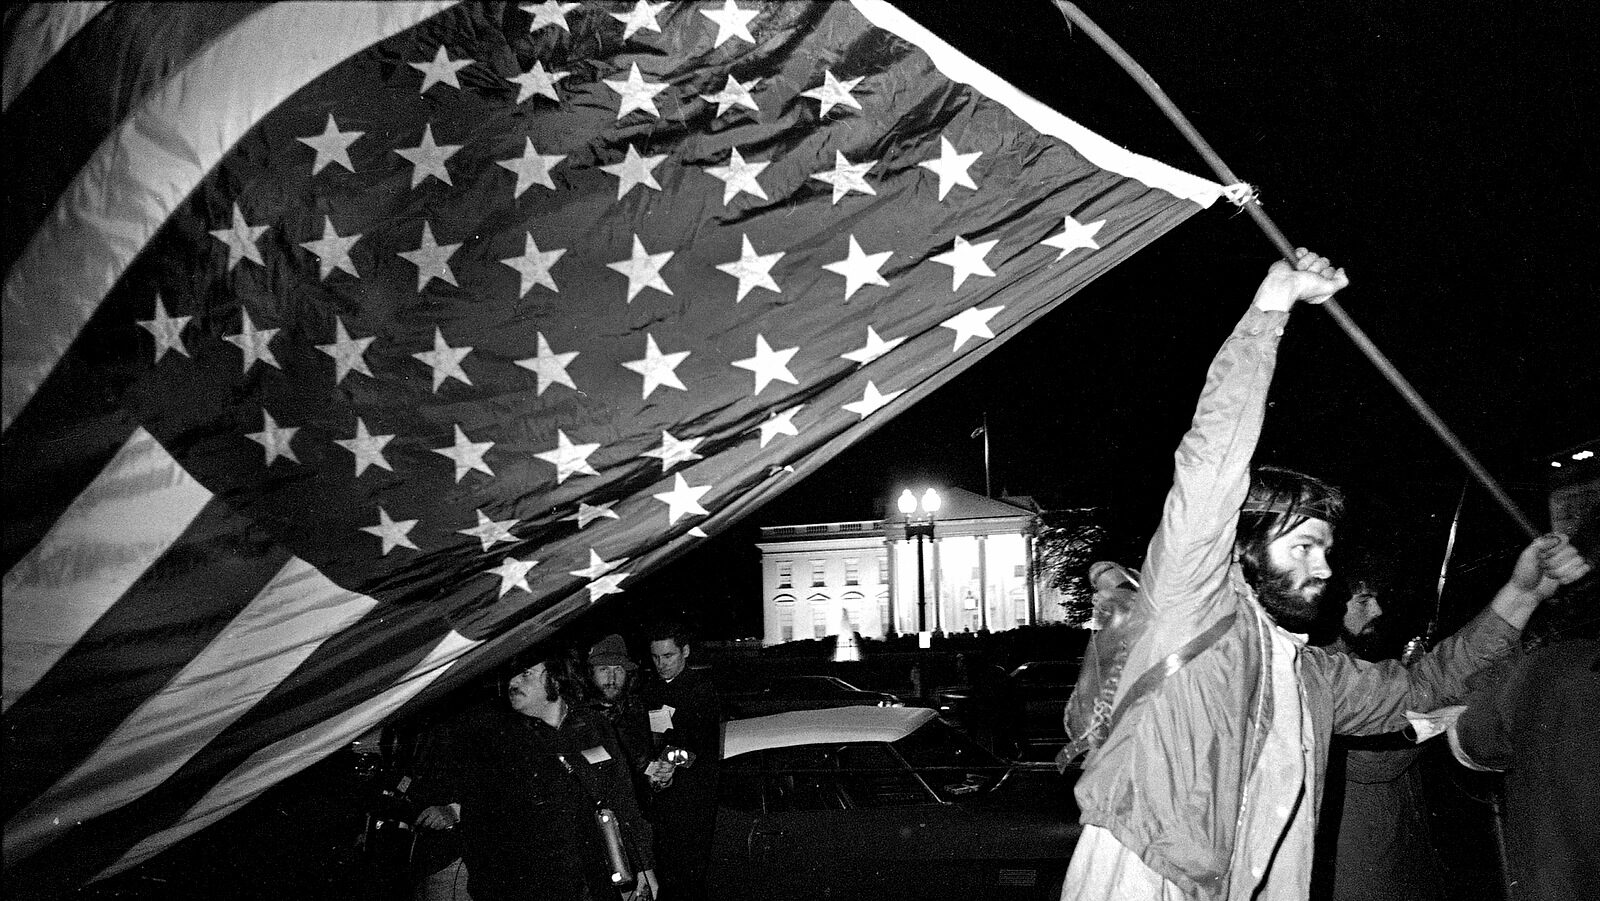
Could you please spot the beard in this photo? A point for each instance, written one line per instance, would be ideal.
(1295, 608)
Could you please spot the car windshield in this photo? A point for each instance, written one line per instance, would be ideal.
(952, 764)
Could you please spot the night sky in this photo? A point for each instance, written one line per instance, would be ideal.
(1443, 153)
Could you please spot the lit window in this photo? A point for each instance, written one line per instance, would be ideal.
(786, 619)
(852, 571)
(785, 574)
(819, 576)
(883, 570)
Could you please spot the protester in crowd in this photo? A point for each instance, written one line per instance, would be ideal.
(686, 721)
(1373, 843)
(525, 776)
(613, 678)
(1536, 718)
(437, 870)
(1207, 785)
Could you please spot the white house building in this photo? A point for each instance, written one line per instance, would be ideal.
(975, 557)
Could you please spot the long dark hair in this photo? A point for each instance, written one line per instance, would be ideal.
(1279, 501)
(562, 680)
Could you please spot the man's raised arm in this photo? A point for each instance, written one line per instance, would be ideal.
(1189, 554)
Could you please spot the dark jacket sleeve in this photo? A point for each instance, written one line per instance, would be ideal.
(616, 790)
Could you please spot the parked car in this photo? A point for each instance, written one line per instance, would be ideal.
(883, 802)
(785, 693)
(1018, 714)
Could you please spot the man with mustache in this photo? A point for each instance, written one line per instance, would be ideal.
(1208, 783)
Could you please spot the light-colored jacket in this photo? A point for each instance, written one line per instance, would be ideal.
(1169, 782)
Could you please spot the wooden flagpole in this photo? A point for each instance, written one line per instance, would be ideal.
(1075, 16)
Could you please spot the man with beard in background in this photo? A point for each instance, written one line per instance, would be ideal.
(1374, 843)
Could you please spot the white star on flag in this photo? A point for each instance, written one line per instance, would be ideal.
(431, 258)
(428, 158)
(549, 366)
(738, 177)
(636, 93)
(538, 80)
(393, 532)
(256, 343)
(348, 353)
(780, 424)
(534, 266)
(333, 250)
(966, 259)
(643, 15)
(1075, 236)
(672, 451)
(598, 566)
(168, 330)
(753, 270)
(734, 93)
(332, 146)
(657, 367)
(603, 580)
(860, 268)
(732, 22)
(588, 513)
(635, 170)
(274, 439)
(683, 500)
(846, 176)
(440, 70)
(569, 459)
(241, 239)
(444, 360)
(532, 168)
(769, 365)
(513, 573)
(467, 455)
(873, 349)
(548, 13)
(489, 531)
(871, 401)
(952, 167)
(833, 92)
(973, 323)
(643, 269)
(367, 448)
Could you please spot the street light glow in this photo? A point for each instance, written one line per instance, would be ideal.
(931, 501)
(907, 502)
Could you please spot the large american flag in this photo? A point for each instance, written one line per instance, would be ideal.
(349, 348)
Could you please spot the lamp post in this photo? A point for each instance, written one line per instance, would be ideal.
(919, 524)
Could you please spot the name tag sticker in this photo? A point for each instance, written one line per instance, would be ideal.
(596, 754)
(661, 718)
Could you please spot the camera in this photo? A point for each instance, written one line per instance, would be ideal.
(678, 756)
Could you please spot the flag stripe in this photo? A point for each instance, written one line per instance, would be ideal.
(48, 26)
(92, 556)
(343, 671)
(271, 637)
(343, 674)
(1096, 149)
(172, 612)
(80, 96)
(292, 754)
(142, 171)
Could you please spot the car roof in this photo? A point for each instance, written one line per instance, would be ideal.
(809, 727)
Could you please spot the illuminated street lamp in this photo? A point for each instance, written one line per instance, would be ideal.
(919, 524)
